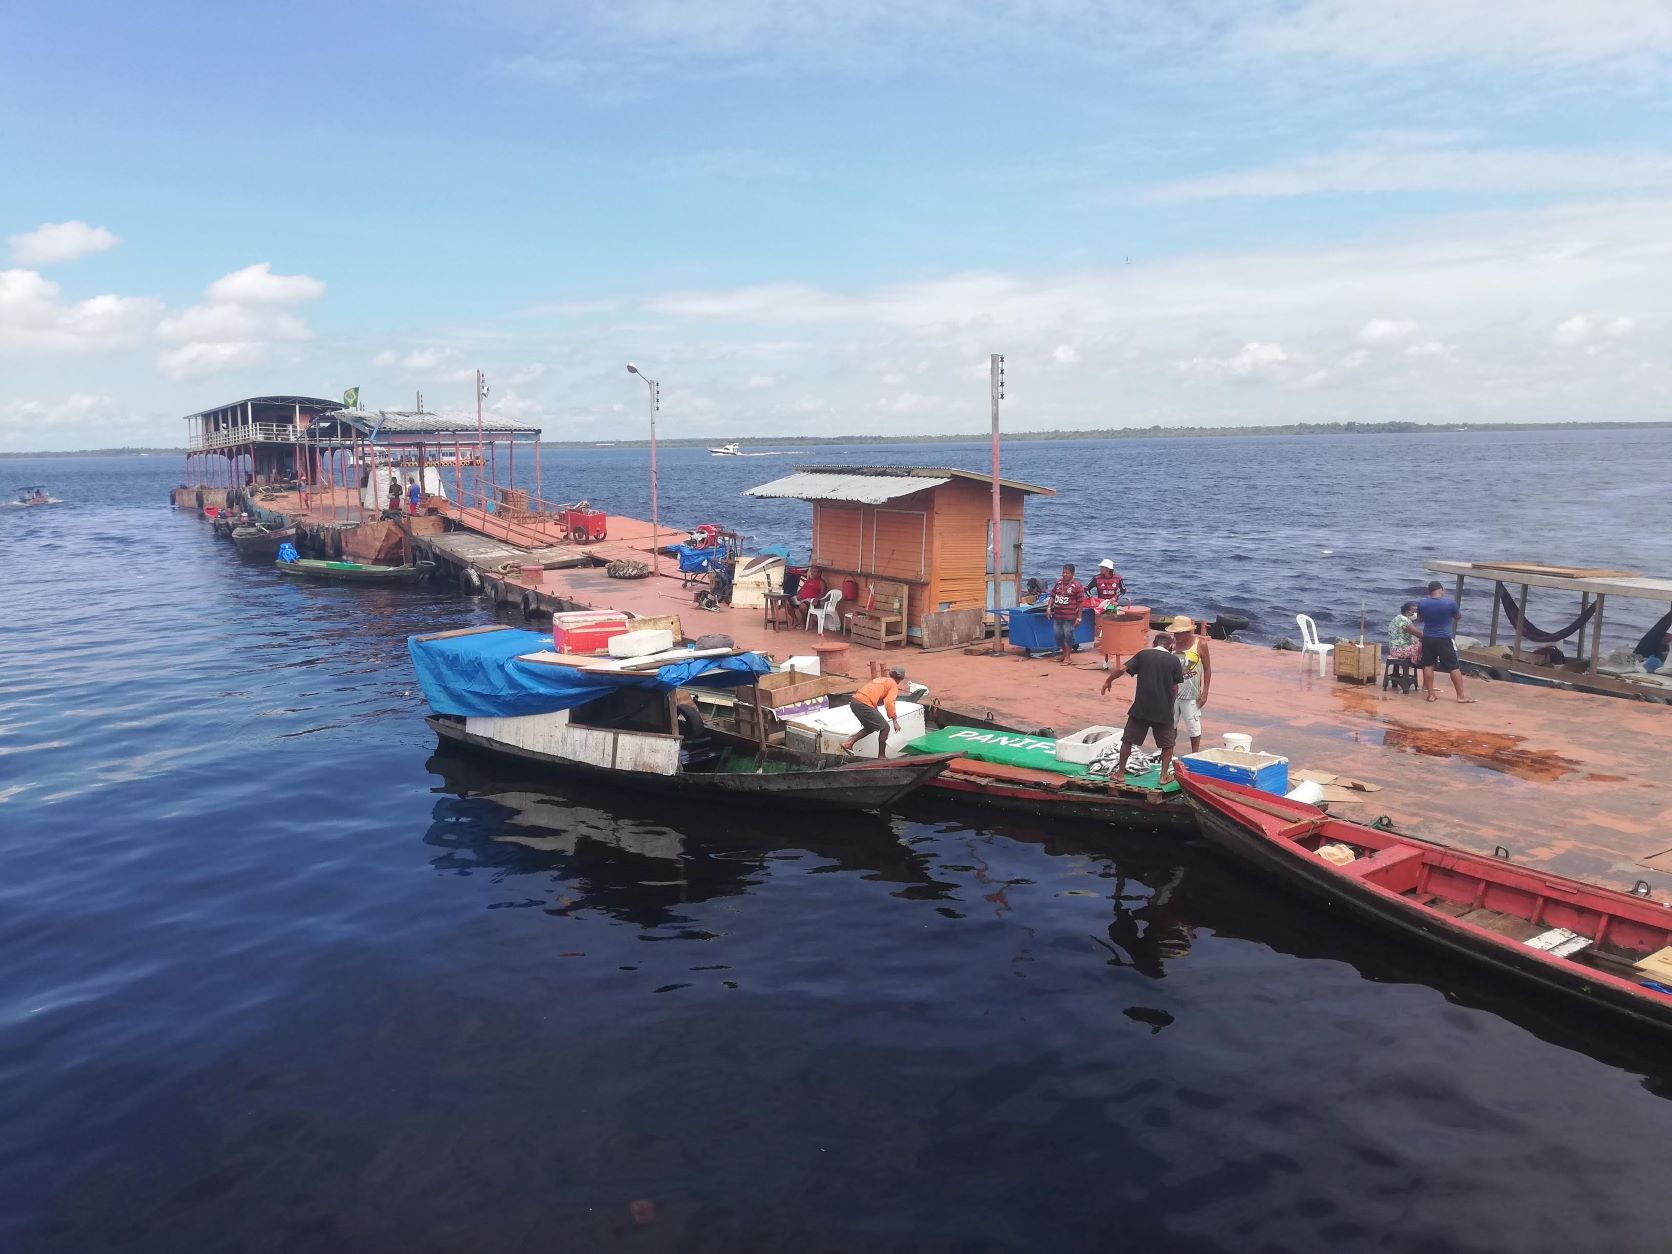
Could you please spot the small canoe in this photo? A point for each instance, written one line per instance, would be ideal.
(256, 540)
(1606, 949)
(354, 572)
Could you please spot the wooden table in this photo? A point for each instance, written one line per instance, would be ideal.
(779, 610)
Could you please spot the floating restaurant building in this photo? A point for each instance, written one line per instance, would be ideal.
(918, 538)
(321, 447)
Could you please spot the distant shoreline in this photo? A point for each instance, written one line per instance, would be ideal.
(1018, 437)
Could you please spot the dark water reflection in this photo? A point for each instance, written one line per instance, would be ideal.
(281, 976)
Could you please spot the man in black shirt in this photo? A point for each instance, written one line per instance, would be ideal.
(1159, 674)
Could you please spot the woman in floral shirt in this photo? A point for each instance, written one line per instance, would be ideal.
(1404, 642)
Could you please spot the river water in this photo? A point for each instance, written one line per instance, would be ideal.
(281, 977)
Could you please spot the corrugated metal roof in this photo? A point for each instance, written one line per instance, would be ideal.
(408, 422)
(857, 486)
(306, 402)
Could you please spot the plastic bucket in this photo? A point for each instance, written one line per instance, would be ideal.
(1239, 741)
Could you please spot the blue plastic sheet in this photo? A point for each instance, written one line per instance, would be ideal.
(479, 676)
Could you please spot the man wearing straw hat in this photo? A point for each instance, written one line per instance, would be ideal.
(1192, 650)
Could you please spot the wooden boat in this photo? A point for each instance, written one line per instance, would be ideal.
(354, 572)
(734, 773)
(1008, 786)
(259, 540)
(1578, 940)
(501, 691)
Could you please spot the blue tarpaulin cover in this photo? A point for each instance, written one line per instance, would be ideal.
(479, 676)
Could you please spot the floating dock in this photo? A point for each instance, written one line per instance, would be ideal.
(1560, 780)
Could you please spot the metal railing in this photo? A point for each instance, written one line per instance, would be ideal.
(246, 433)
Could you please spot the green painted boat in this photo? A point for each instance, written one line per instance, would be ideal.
(354, 572)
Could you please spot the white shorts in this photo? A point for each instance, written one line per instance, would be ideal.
(1189, 715)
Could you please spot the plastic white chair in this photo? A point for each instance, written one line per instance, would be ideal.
(823, 611)
(1309, 642)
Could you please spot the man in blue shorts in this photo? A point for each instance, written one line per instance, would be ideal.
(1438, 615)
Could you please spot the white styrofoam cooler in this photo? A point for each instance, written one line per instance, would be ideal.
(641, 643)
(832, 727)
(1082, 748)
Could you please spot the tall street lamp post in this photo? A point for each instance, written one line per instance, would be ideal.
(655, 518)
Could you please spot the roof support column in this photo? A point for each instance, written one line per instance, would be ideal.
(1596, 635)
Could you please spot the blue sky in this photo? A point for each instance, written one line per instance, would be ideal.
(820, 217)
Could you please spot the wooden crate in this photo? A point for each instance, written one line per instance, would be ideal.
(1359, 664)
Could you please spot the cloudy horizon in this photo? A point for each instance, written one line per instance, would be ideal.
(819, 218)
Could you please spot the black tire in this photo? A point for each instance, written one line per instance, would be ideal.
(470, 583)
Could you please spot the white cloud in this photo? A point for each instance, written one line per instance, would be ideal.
(1065, 355)
(1250, 360)
(1385, 331)
(81, 418)
(60, 241)
(1583, 327)
(1306, 333)
(1407, 162)
(258, 285)
(759, 382)
(242, 318)
(1527, 36)
(35, 318)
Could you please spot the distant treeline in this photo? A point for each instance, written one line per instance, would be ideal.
(1102, 433)
(1126, 433)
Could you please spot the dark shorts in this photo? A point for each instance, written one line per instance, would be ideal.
(870, 719)
(1166, 734)
(1065, 629)
(1440, 653)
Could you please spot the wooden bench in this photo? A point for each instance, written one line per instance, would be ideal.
(885, 622)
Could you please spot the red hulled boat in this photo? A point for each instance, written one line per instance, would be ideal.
(1573, 938)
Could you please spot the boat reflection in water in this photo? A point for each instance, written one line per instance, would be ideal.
(648, 862)
(638, 858)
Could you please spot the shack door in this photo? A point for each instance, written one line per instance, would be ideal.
(1010, 562)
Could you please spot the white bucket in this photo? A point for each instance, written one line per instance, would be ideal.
(1240, 742)
(1307, 791)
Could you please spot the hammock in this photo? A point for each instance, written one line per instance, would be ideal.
(1529, 632)
(1649, 645)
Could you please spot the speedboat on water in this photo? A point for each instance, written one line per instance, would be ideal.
(727, 450)
(34, 494)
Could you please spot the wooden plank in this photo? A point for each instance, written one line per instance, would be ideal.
(947, 629)
(1002, 773)
(462, 631)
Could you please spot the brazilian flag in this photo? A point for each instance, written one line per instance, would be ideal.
(351, 398)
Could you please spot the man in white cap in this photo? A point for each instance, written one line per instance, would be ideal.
(1192, 651)
(1106, 585)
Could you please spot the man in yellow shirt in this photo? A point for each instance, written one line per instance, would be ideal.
(864, 704)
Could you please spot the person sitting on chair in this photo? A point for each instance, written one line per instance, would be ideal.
(807, 595)
(1405, 635)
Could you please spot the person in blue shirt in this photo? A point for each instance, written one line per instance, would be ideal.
(1438, 615)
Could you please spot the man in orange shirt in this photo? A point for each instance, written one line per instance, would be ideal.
(864, 703)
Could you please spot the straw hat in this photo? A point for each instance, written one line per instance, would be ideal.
(1182, 623)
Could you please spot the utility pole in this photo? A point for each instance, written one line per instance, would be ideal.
(995, 368)
(481, 448)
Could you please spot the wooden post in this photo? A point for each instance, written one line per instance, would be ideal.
(760, 723)
(1579, 648)
(1520, 623)
(1497, 599)
(1596, 635)
(1457, 594)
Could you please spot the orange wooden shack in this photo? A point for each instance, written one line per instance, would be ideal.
(928, 528)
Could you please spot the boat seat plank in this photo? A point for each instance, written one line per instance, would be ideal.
(1559, 942)
(1003, 773)
(1503, 924)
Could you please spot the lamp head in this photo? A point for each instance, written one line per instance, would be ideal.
(631, 368)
